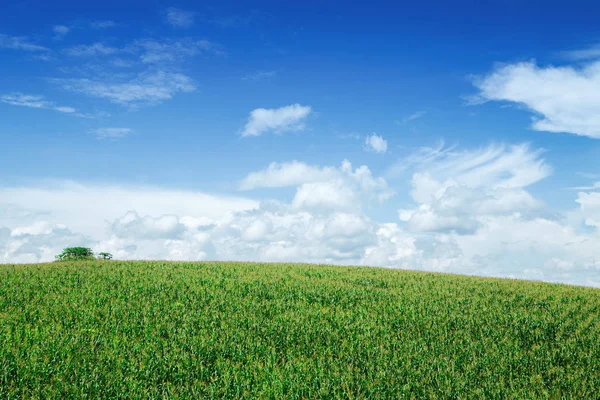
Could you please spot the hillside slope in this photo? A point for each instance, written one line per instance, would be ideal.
(243, 330)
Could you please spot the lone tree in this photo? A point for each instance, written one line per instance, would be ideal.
(76, 253)
(104, 256)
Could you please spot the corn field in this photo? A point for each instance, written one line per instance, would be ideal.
(115, 329)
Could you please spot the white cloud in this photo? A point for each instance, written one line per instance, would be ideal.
(593, 186)
(19, 43)
(70, 203)
(102, 24)
(413, 116)
(111, 133)
(322, 188)
(330, 195)
(279, 233)
(60, 31)
(464, 210)
(376, 143)
(475, 216)
(565, 99)
(257, 76)
(38, 241)
(92, 50)
(163, 227)
(276, 120)
(590, 53)
(492, 167)
(287, 174)
(180, 18)
(35, 101)
(589, 208)
(170, 51)
(459, 191)
(148, 88)
(151, 51)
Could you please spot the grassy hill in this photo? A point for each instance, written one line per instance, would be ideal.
(242, 330)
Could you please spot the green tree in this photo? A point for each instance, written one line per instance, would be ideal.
(104, 256)
(76, 253)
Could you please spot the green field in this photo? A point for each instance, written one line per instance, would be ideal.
(240, 330)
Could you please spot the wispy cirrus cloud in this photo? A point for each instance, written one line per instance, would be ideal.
(180, 18)
(153, 61)
(102, 24)
(585, 54)
(91, 50)
(412, 117)
(19, 43)
(257, 76)
(111, 133)
(172, 50)
(36, 101)
(457, 191)
(276, 120)
(150, 51)
(147, 88)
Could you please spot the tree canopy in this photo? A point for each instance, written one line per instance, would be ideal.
(104, 256)
(76, 253)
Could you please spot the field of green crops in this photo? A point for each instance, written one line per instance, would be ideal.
(100, 329)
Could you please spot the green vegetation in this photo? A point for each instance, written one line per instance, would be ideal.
(81, 253)
(116, 329)
(75, 253)
(104, 256)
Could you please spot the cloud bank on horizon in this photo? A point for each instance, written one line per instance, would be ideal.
(183, 151)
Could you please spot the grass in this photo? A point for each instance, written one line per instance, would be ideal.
(241, 330)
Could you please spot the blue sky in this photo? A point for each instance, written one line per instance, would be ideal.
(405, 135)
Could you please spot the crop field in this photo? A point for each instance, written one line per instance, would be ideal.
(115, 329)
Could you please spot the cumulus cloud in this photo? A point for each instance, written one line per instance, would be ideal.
(148, 88)
(333, 195)
(589, 208)
(495, 166)
(287, 174)
(463, 209)
(276, 232)
(162, 227)
(322, 187)
(39, 241)
(376, 143)
(69, 203)
(180, 18)
(458, 191)
(472, 214)
(276, 120)
(111, 133)
(565, 99)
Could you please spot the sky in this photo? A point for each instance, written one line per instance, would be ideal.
(459, 138)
